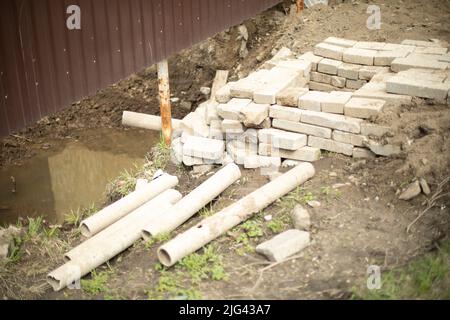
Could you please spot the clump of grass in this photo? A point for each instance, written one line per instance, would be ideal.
(298, 196)
(162, 237)
(161, 154)
(15, 254)
(97, 283)
(35, 226)
(74, 217)
(246, 232)
(169, 287)
(428, 277)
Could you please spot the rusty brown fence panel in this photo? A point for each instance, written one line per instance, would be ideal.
(44, 66)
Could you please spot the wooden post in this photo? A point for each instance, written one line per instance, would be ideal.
(164, 97)
(300, 6)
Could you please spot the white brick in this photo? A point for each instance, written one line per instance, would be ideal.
(301, 66)
(232, 127)
(285, 113)
(370, 45)
(329, 66)
(333, 121)
(399, 47)
(384, 150)
(363, 108)
(340, 42)
(223, 95)
(362, 153)
(282, 54)
(232, 110)
(355, 84)
(302, 154)
(211, 112)
(176, 151)
(418, 61)
(418, 88)
(276, 80)
(385, 58)
(431, 50)
(203, 148)
(419, 43)
(330, 145)
(282, 139)
(215, 130)
(284, 245)
(350, 138)
(302, 128)
(338, 81)
(246, 87)
(359, 56)
(321, 77)
(257, 161)
(310, 56)
(192, 161)
(254, 114)
(194, 124)
(239, 150)
(423, 75)
(317, 86)
(367, 72)
(329, 51)
(312, 100)
(290, 96)
(349, 71)
(335, 102)
(444, 58)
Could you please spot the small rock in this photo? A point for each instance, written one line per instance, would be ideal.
(301, 217)
(333, 174)
(424, 161)
(412, 191)
(205, 91)
(202, 169)
(7, 241)
(290, 163)
(313, 204)
(284, 245)
(425, 187)
(186, 105)
(268, 218)
(174, 100)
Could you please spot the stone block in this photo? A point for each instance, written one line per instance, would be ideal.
(330, 145)
(282, 139)
(304, 128)
(363, 108)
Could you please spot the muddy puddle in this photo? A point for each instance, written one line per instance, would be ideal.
(70, 174)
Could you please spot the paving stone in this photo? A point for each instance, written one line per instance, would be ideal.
(340, 42)
(329, 66)
(290, 96)
(335, 102)
(312, 100)
(333, 121)
(329, 51)
(302, 128)
(257, 161)
(362, 153)
(359, 56)
(232, 110)
(423, 75)
(350, 138)
(355, 84)
(310, 56)
(317, 86)
(320, 77)
(418, 88)
(338, 81)
(285, 113)
(282, 139)
(203, 148)
(284, 245)
(363, 108)
(254, 114)
(349, 71)
(330, 145)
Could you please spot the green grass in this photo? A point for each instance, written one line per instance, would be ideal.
(74, 217)
(427, 277)
(35, 226)
(97, 284)
(162, 237)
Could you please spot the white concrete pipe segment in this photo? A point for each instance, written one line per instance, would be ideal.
(108, 246)
(139, 217)
(214, 226)
(122, 207)
(146, 121)
(193, 202)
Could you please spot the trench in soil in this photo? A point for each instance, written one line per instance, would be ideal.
(71, 174)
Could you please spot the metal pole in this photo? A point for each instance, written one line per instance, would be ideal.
(164, 97)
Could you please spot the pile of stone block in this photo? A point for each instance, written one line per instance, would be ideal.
(294, 107)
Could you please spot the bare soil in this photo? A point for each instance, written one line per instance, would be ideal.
(361, 224)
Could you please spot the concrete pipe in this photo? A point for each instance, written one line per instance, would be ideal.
(136, 217)
(146, 121)
(214, 226)
(193, 202)
(122, 207)
(110, 245)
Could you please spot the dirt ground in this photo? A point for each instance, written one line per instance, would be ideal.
(360, 221)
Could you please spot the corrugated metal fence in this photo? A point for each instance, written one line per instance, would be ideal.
(44, 66)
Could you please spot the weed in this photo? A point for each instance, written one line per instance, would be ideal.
(162, 237)
(15, 254)
(276, 225)
(74, 217)
(97, 283)
(35, 226)
(207, 211)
